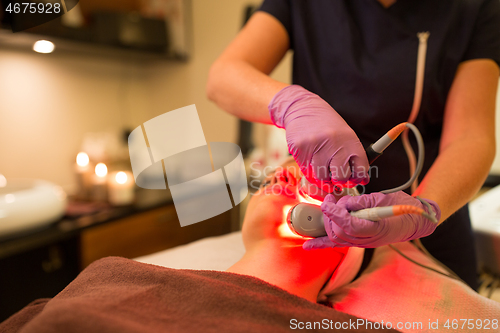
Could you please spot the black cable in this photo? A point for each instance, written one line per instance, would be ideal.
(451, 275)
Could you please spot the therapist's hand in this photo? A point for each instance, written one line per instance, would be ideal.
(343, 229)
(321, 142)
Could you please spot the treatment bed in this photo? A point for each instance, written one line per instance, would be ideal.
(391, 289)
(184, 290)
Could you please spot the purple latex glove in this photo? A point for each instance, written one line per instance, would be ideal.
(319, 139)
(343, 229)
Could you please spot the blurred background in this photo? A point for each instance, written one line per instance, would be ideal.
(49, 102)
(71, 90)
(114, 65)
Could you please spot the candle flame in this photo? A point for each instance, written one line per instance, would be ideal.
(82, 159)
(101, 170)
(121, 177)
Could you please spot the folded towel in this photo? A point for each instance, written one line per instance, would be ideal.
(121, 295)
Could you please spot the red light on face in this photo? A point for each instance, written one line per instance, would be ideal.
(303, 197)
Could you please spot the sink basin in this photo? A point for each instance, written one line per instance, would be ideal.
(27, 203)
(485, 218)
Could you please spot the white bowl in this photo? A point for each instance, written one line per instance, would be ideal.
(485, 218)
(485, 212)
(26, 203)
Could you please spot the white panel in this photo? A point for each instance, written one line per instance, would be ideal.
(174, 132)
(201, 198)
(139, 154)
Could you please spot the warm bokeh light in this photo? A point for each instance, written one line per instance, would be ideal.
(43, 46)
(3, 181)
(82, 159)
(308, 199)
(10, 198)
(101, 170)
(121, 177)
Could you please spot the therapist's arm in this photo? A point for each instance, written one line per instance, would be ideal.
(238, 81)
(467, 147)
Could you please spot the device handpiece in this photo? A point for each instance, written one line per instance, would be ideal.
(306, 219)
(378, 213)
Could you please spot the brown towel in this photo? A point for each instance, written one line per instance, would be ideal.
(121, 295)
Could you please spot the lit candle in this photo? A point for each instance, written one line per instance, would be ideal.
(99, 182)
(82, 169)
(121, 188)
(101, 171)
(82, 162)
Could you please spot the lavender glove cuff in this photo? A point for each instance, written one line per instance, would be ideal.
(432, 209)
(434, 206)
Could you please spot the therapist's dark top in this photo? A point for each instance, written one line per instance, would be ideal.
(361, 58)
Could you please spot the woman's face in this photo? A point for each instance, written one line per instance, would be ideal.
(267, 209)
(265, 222)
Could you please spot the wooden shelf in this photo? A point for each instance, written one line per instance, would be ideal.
(22, 41)
(146, 233)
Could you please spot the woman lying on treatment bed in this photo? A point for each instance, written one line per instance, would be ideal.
(273, 288)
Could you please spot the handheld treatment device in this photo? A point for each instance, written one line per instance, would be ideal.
(306, 219)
